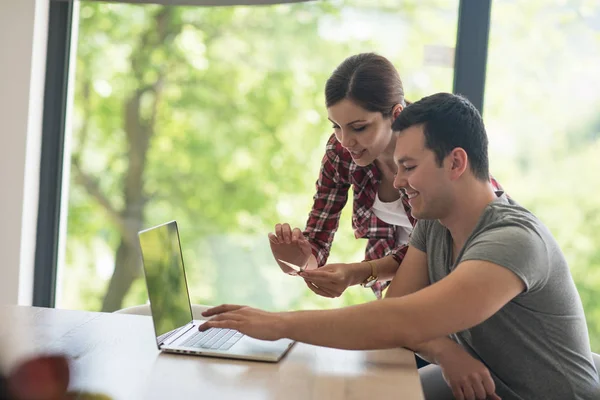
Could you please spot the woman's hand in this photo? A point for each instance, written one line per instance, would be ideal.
(468, 377)
(289, 245)
(331, 280)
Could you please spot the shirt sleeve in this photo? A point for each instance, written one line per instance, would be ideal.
(514, 246)
(328, 202)
(399, 252)
(418, 237)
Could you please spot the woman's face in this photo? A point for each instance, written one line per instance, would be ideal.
(365, 134)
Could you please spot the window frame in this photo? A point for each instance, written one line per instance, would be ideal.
(52, 152)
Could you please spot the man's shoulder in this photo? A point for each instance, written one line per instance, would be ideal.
(431, 230)
(512, 231)
(506, 215)
(429, 225)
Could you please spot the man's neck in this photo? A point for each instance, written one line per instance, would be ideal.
(468, 207)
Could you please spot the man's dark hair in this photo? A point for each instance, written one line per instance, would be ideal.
(449, 121)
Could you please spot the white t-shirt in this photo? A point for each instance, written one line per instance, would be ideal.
(394, 214)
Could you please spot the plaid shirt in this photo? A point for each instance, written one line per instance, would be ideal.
(338, 173)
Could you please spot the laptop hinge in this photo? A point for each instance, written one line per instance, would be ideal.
(174, 335)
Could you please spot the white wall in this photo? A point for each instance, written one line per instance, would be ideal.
(23, 37)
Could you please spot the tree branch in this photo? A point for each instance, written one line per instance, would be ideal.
(93, 189)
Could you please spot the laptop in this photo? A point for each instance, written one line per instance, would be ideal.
(175, 329)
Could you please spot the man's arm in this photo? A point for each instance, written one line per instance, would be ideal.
(468, 296)
(411, 277)
(472, 293)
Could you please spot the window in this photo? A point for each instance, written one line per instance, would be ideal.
(541, 112)
(215, 117)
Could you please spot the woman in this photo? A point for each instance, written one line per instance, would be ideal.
(363, 97)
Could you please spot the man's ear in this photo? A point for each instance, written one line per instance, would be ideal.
(396, 111)
(458, 162)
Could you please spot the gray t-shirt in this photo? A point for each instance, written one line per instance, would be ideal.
(536, 346)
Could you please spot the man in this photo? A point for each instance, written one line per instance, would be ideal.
(484, 290)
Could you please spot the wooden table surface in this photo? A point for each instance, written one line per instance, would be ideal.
(115, 355)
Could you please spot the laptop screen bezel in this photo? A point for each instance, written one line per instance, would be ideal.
(161, 339)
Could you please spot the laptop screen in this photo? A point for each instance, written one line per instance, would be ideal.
(165, 278)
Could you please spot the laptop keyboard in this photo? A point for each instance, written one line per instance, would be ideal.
(214, 339)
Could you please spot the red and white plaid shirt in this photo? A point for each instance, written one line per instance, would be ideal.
(338, 173)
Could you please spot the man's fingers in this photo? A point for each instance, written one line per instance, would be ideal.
(493, 396)
(225, 324)
(223, 308)
(488, 384)
(468, 391)
(457, 392)
(478, 388)
(230, 320)
(230, 316)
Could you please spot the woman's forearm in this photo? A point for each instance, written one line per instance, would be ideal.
(385, 267)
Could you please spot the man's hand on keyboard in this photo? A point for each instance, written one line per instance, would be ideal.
(249, 321)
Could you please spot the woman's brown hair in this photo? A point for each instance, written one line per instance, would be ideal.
(369, 80)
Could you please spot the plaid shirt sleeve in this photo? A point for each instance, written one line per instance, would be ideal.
(329, 200)
(399, 252)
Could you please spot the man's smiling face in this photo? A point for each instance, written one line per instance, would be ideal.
(420, 177)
